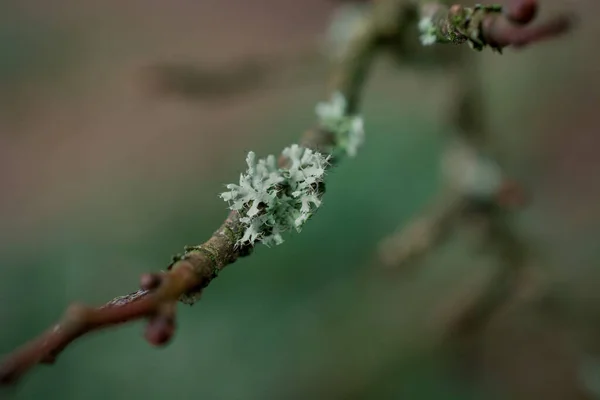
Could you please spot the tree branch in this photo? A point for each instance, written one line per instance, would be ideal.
(474, 185)
(489, 26)
(78, 320)
(191, 272)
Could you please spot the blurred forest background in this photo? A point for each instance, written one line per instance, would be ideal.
(103, 177)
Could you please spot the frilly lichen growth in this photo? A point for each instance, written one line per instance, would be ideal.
(272, 200)
(428, 31)
(348, 129)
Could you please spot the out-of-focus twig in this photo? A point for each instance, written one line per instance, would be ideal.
(249, 74)
(474, 183)
(424, 233)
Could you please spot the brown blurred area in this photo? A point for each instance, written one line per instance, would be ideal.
(102, 178)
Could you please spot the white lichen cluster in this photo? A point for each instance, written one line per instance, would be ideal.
(348, 129)
(273, 200)
(428, 31)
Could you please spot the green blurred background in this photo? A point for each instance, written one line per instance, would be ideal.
(102, 179)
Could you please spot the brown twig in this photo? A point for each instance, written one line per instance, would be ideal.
(160, 294)
(512, 28)
(493, 26)
(192, 271)
(156, 301)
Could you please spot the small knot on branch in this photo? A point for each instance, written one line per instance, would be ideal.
(521, 11)
(150, 281)
(161, 327)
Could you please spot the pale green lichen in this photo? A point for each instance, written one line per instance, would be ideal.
(348, 129)
(428, 31)
(272, 200)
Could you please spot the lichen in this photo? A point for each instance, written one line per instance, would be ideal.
(272, 200)
(458, 25)
(428, 31)
(348, 129)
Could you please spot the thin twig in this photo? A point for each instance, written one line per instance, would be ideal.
(468, 161)
(192, 271)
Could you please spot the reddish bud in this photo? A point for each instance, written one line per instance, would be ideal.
(521, 11)
(160, 330)
(150, 281)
